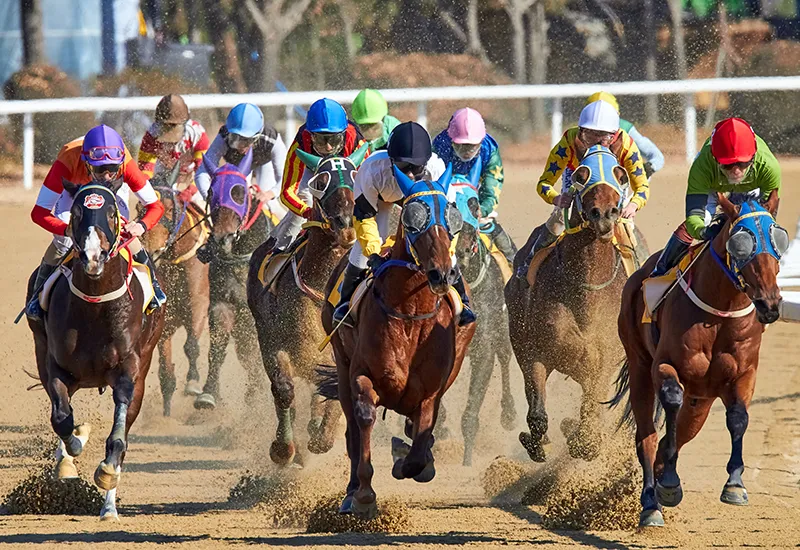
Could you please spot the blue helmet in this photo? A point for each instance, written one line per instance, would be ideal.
(326, 116)
(245, 119)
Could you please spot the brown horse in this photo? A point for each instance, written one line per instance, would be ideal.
(286, 306)
(406, 348)
(702, 344)
(563, 322)
(173, 243)
(95, 335)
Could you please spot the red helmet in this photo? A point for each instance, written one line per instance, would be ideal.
(733, 140)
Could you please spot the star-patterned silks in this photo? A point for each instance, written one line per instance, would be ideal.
(638, 171)
(553, 168)
(635, 157)
(497, 173)
(562, 152)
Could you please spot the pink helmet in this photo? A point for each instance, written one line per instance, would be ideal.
(466, 126)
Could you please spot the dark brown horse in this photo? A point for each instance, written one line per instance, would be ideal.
(95, 335)
(564, 321)
(173, 243)
(286, 308)
(238, 227)
(406, 348)
(702, 344)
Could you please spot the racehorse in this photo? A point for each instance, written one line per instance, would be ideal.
(173, 244)
(285, 294)
(485, 280)
(406, 349)
(95, 334)
(238, 227)
(701, 344)
(562, 321)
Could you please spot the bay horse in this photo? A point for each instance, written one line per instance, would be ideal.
(95, 334)
(173, 244)
(563, 322)
(239, 226)
(491, 341)
(701, 344)
(406, 348)
(286, 308)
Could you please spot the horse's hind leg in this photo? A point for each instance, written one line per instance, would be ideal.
(365, 413)
(418, 463)
(642, 400)
(535, 376)
(166, 373)
(279, 369)
(481, 361)
(220, 325)
(323, 435)
(670, 395)
(508, 411)
(737, 419)
(197, 284)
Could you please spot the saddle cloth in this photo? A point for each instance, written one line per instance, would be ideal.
(273, 265)
(656, 288)
(498, 256)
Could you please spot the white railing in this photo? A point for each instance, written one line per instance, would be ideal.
(417, 95)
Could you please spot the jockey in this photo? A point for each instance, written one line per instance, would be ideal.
(597, 125)
(376, 193)
(174, 137)
(460, 145)
(653, 157)
(326, 132)
(733, 160)
(99, 157)
(371, 115)
(244, 129)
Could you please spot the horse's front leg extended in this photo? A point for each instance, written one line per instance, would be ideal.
(279, 369)
(108, 472)
(220, 325)
(71, 439)
(166, 373)
(418, 463)
(670, 395)
(737, 419)
(642, 400)
(197, 283)
(365, 413)
(481, 360)
(535, 376)
(585, 440)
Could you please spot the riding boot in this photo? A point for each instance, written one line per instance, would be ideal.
(504, 243)
(467, 315)
(544, 240)
(34, 309)
(352, 277)
(159, 298)
(670, 256)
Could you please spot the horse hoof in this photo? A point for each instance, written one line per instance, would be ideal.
(205, 401)
(737, 496)
(109, 513)
(651, 518)
(347, 505)
(670, 496)
(167, 409)
(366, 511)
(427, 474)
(107, 476)
(282, 453)
(534, 448)
(193, 388)
(508, 416)
(397, 469)
(583, 448)
(319, 445)
(65, 469)
(569, 426)
(400, 449)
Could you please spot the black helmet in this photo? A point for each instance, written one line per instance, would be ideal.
(409, 142)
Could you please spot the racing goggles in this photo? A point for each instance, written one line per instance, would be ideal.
(327, 144)
(237, 141)
(596, 137)
(415, 170)
(466, 151)
(740, 165)
(112, 153)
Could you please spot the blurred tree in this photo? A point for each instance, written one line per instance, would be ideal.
(225, 59)
(467, 33)
(651, 101)
(32, 38)
(516, 10)
(539, 53)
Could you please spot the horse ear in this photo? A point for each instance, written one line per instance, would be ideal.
(405, 183)
(359, 154)
(621, 175)
(581, 175)
(312, 161)
(772, 202)
(728, 207)
(246, 162)
(69, 187)
(475, 172)
(209, 166)
(444, 180)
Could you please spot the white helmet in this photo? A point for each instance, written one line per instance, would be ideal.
(599, 115)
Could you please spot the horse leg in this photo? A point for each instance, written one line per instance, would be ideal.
(418, 463)
(670, 394)
(353, 439)
(322, 432)
(71, 439)
(535, 377)
(279, 370)
(365, 413)
(166, 373)
(220, 326)
(737, 402)
(481, 361)
(191, 348)
(245, 340)
(197, 283)
(508, 412)
(642, 400)
(585, 441)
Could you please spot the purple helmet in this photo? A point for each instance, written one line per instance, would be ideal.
(103, 145)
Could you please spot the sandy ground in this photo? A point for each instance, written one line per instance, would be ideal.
(179, 471)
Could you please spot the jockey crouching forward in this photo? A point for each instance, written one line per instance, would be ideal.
(326, 132)
(99, 157)
(174, 138)
(597, 125)
(733, 160)
(245, 130)
(376, 192)
(460, 145)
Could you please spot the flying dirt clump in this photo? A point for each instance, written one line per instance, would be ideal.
(325, 518)
(501, 475)
(42, 494)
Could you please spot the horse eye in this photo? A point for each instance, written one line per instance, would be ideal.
(415, 216)
(741, 245)
(780, 239)
(455, 222)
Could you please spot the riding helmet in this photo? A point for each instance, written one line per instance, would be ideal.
(369, 107)
(466, 126)
(733, 140)
(410, 142)
(326, 116)
(245, 119)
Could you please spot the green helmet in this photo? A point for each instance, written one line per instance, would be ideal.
(369, 107)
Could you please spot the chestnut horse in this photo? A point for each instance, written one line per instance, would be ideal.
(95, 334)
(406, 349)
(564, 322)
(173, 244)
(239, 226)
(287, 309)
(491, 340)
(702, 344)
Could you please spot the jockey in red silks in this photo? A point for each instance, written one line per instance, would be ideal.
(99, 157)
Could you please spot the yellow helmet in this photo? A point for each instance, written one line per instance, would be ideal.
(604, 96)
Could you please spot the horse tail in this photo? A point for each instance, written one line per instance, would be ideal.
(328, 381)
(622, 385)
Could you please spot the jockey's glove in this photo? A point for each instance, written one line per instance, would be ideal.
(375, 261)
(648, 169)
(712, 229)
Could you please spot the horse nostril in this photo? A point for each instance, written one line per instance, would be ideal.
(594, 213)
(614, 212)
(435, 276)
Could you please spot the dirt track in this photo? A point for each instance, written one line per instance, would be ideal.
(178, 472)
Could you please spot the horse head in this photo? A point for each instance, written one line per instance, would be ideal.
(754, 243)
(229, 201)
(332, 189)
(156, 239)
(94, 225)
(467, 202)
(429, 224)
(600, 183)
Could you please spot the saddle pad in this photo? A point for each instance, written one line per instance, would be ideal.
(537, 260)
(498, 256)
(142, 273)
(47, 288)
(274, 264)
(655, 288)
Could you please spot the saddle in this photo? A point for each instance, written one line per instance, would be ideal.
(274, 264)
(656, 289)
(498, 256)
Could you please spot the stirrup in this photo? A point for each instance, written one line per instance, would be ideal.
(341, 315)
(467, 316)
(33, 310)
